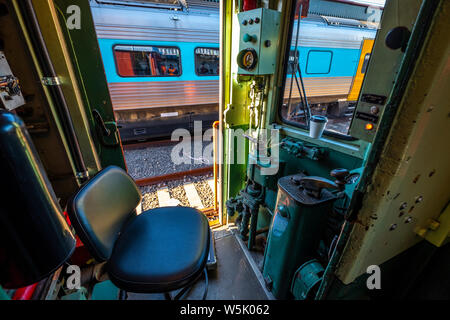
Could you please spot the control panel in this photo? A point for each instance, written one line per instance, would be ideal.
(258, 42)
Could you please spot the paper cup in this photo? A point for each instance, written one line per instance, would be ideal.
(317, 125)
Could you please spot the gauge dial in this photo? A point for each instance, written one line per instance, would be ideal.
(247, 59)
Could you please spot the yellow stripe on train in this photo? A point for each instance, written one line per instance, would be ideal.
(366, 50)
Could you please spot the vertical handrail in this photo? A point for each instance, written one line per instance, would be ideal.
(216, 165)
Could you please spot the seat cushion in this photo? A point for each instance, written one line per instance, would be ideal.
(160, 250)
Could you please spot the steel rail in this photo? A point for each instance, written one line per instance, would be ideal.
(146, 144)
(174, 176)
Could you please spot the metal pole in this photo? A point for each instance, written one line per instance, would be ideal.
(294, 69)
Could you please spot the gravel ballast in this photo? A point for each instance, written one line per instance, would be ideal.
(156, 160)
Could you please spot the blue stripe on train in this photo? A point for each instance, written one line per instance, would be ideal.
(187, 60)
(328, 62)
(314, 62)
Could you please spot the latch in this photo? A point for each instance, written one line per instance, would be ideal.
(106, 131)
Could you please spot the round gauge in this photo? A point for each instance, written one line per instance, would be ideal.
(353, 178)
(247, 59)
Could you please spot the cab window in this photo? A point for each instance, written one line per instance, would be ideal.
(320, 80)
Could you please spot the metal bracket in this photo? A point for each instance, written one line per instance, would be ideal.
(302, 150)
(51, 81)
(437, 232)
(82, 176)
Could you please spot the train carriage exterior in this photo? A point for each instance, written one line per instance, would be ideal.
(151, 104)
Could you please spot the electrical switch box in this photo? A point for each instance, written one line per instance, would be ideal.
(258, 43)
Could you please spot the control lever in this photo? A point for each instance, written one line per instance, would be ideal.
(341, 177)
(313, 186)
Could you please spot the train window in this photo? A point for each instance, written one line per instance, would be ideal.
(147, 61)
(319, 62)
(207, 61)
(365, 63)
(325, 79)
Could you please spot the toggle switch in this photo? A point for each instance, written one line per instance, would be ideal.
(249, 38)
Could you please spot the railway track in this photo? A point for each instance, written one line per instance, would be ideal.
(190, 191)
(147, 144)
(163, 183)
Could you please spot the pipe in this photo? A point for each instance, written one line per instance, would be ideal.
(296, 60)
(31, 21)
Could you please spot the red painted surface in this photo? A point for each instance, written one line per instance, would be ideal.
(24, 293)
(81, 254)
(249, 5)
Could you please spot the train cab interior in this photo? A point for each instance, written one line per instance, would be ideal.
(325, 123)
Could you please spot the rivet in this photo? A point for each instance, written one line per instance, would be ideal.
(434, 225)
(403, 206)
(393, 227)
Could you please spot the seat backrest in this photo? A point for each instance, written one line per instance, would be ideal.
(99, 210)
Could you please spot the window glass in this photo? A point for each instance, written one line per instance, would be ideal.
(320, 81)
(207, 61)
(147, 61)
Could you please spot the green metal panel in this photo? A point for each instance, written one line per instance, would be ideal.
(67, 77)
(406, 172)
(233, 104)
(3, 295)
(105, 290)
(85, 53)
(295, 232)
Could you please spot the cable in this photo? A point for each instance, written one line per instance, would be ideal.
(205, 293)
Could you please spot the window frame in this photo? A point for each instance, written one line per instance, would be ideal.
(195, 63)
(281, 119)
(180, 73)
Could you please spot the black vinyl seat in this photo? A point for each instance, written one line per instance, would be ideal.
(158, 251)
(180, 256)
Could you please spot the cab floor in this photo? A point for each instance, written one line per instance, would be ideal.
(236, 276)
